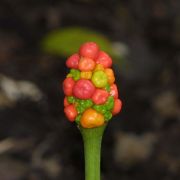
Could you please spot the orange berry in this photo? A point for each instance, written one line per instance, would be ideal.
(86, 74)
(99, 67)
(91, 118)
(86, 64)
(117, 106)
(110, 74)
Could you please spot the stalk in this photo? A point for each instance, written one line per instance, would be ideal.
(92, 139)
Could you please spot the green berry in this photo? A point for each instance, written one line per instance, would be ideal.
(107, 115)
(70, 99)
(100, 108)
(75, 74)
(99, 79)
(107, 88)
(78, 118)
(109, 103)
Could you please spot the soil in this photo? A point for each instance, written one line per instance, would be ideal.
(36, 140)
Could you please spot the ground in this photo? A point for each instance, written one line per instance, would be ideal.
(36, 140)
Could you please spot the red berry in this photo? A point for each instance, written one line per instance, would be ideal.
(89, 50)
(114, 91)
(100, 96)
(117, 106)
(70, 112)
(66, 103)
(83, 89)
(86, 64)
(104, 59)
(73, 61)
(68, 84)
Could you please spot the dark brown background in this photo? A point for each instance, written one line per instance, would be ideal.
(36, 140)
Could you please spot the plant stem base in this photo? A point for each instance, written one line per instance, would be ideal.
(92, 151)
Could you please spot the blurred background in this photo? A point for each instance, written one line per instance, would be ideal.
(143, 37)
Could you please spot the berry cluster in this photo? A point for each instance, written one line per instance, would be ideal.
(91, 95)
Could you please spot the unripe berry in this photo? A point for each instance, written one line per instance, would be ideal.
(99, 79)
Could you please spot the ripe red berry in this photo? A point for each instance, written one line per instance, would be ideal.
(89, 50)
(73, 61)
(104, 59)
(117, 106)
(66, 103)
(114, 91)
(83, 89)
(70, 112)
(100, 96)
(68, 85)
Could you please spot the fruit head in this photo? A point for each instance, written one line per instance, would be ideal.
(90, 89)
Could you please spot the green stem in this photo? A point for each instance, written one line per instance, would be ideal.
(92, 151)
